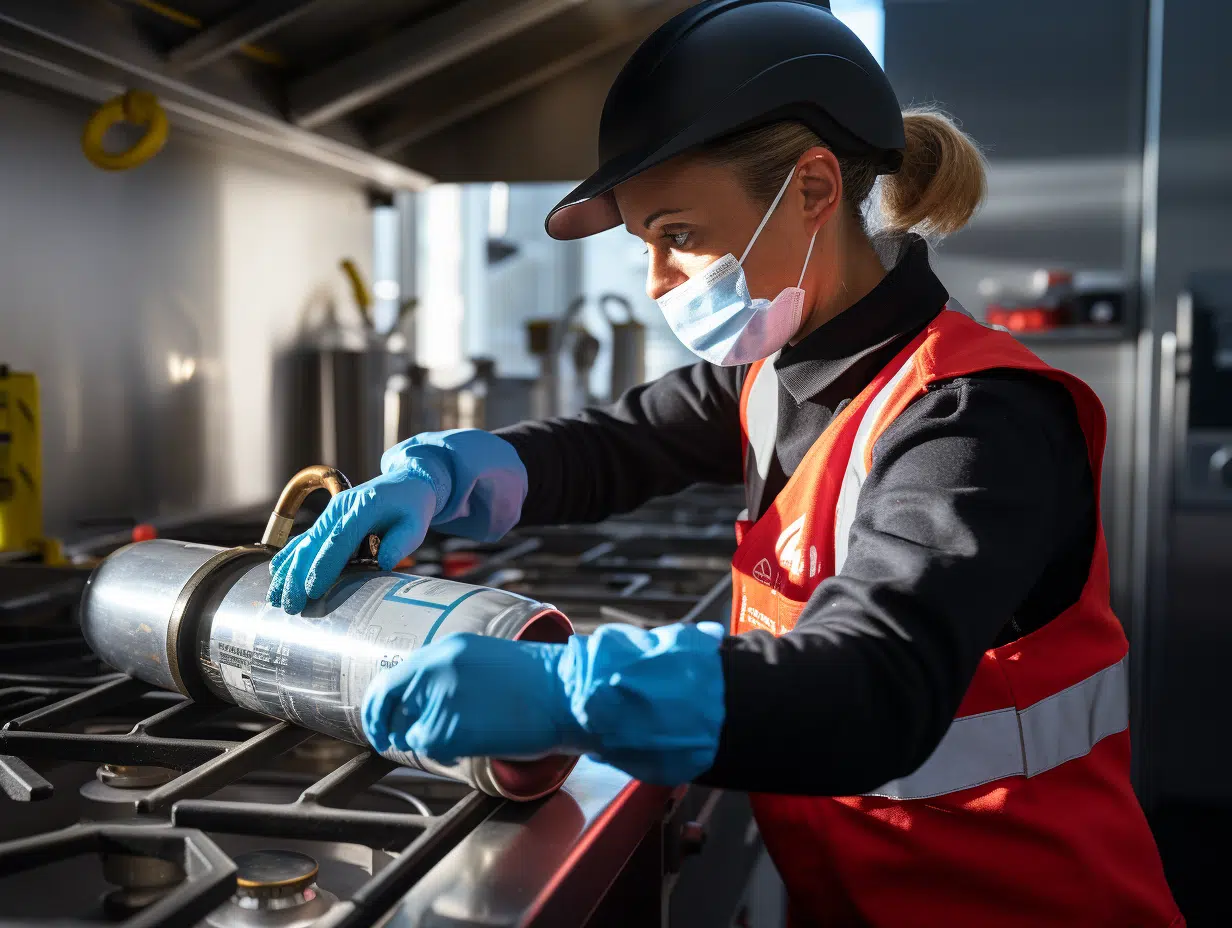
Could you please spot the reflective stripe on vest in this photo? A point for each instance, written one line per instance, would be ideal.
(979, 749)
(856, 472)
(762, 416)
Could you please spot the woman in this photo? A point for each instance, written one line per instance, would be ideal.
(924, 685)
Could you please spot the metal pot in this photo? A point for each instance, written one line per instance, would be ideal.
(628, 346)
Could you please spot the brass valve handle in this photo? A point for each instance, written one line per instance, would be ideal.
(298, 488)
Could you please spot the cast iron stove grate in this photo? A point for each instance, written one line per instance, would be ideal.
(206, 780)
(202, 750)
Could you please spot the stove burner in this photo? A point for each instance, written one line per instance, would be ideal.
(320, 754)
(273, 874)
(116, 790)
(120, 776)
(276, 888)
(142, 881)
(120, 904)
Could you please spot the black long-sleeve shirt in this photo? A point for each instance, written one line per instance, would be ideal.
(976, 525)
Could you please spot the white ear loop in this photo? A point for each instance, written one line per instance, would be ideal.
(766, 218)
(808, 254)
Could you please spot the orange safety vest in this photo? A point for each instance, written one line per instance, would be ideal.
(1024, 814)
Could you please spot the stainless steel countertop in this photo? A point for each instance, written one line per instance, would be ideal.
(507, 868)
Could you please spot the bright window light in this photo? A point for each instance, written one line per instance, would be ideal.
(866, 18)
(386, 243)
(498, 211)
(439, 332)
(386, 289)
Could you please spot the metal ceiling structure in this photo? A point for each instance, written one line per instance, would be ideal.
(394, 93)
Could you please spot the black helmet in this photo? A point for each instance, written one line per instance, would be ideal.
(726, 66)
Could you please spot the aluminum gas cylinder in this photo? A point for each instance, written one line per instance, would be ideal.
(194, 618)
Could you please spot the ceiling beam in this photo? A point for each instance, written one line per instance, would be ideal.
(248, 24)
(410, 55)
(88, 50)
(435, 112)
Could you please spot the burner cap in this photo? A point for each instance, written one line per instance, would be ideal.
(123, 776)
(273, 873)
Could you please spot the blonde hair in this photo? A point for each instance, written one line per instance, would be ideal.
(936, 191)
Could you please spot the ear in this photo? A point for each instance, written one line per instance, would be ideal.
(821, 182)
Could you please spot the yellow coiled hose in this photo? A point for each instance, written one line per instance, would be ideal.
(138, 107)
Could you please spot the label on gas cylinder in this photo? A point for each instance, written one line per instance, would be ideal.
(397, 618)
(314, 668)
(235, 664)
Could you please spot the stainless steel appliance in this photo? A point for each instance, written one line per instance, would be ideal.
(248, 820)
(487, 401)
(1203, 398)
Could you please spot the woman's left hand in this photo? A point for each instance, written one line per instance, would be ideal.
(647, 702)
(470, 695)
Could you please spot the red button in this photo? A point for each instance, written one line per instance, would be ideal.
(144, 532)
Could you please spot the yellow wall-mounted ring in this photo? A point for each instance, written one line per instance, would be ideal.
(138, 107)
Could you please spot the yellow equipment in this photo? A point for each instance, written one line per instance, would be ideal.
(21, 470)
(138, 107)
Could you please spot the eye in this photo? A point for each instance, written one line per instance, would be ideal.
(678, 239)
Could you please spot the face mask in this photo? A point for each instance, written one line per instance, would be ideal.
(716, 318)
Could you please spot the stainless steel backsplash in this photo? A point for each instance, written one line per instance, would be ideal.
(153, 305)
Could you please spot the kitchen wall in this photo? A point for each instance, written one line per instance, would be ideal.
(152, 304)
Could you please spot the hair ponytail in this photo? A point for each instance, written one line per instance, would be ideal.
(941, 183)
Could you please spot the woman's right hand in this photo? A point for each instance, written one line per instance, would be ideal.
(398, 507)
(463, 482)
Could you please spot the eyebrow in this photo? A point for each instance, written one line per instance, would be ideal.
(659, 214)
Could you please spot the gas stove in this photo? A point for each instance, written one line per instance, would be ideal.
(127, 804)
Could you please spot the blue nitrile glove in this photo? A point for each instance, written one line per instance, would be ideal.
(487, 485)
(464, 482)
(470, 695)
(648, 702)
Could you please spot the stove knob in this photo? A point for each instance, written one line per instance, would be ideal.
(1221, 467)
